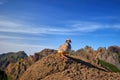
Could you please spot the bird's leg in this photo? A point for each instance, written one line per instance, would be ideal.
(63, 55)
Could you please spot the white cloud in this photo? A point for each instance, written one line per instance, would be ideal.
(16, 27)
(10, 37)
(86, 27)
(10, 26)
(28, 48)
(20, 37)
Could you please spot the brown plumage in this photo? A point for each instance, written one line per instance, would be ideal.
(65, 48)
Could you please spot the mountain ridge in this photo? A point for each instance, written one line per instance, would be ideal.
(48, 65)
(52, 67)
(7, 58)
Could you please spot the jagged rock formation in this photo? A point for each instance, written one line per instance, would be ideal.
(111, 55)
(52, 67)
(114, 49)
(7, 58)
(46, 52)
(16, 70)
(86, 54)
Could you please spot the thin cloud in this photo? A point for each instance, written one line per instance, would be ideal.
(9, 37)
(86, 27)
(93, 26)
(117, 26)
(10, 26)
(28, 48)
(20, 37)
(83, 27)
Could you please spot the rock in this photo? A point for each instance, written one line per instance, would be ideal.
(16, 70)
(7, 58)
(52, 67)
(111, 55)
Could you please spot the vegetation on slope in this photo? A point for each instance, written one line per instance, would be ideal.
(109, 66)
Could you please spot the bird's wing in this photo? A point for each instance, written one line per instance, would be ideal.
(63, 47)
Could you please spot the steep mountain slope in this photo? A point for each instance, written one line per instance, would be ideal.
(16, 70)
(7, 58)
(110, 55)
(52, 67)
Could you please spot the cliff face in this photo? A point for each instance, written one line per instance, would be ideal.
(52, 67)
(7, 58)
(110, 55)
(16, 70)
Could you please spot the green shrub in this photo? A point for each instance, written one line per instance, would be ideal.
(109, 66)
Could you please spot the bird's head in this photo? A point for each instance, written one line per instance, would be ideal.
(68, 41)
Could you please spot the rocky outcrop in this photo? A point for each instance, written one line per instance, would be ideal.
(110, 55)
(114, 49)
(87, 54)
(52, 67)
(16, 70)
(7, 58)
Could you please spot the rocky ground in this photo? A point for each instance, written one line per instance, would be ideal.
(16, 70)
(53, 67)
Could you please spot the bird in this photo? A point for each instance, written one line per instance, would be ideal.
(65, 48)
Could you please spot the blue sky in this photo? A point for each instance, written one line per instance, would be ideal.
(32, 25)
